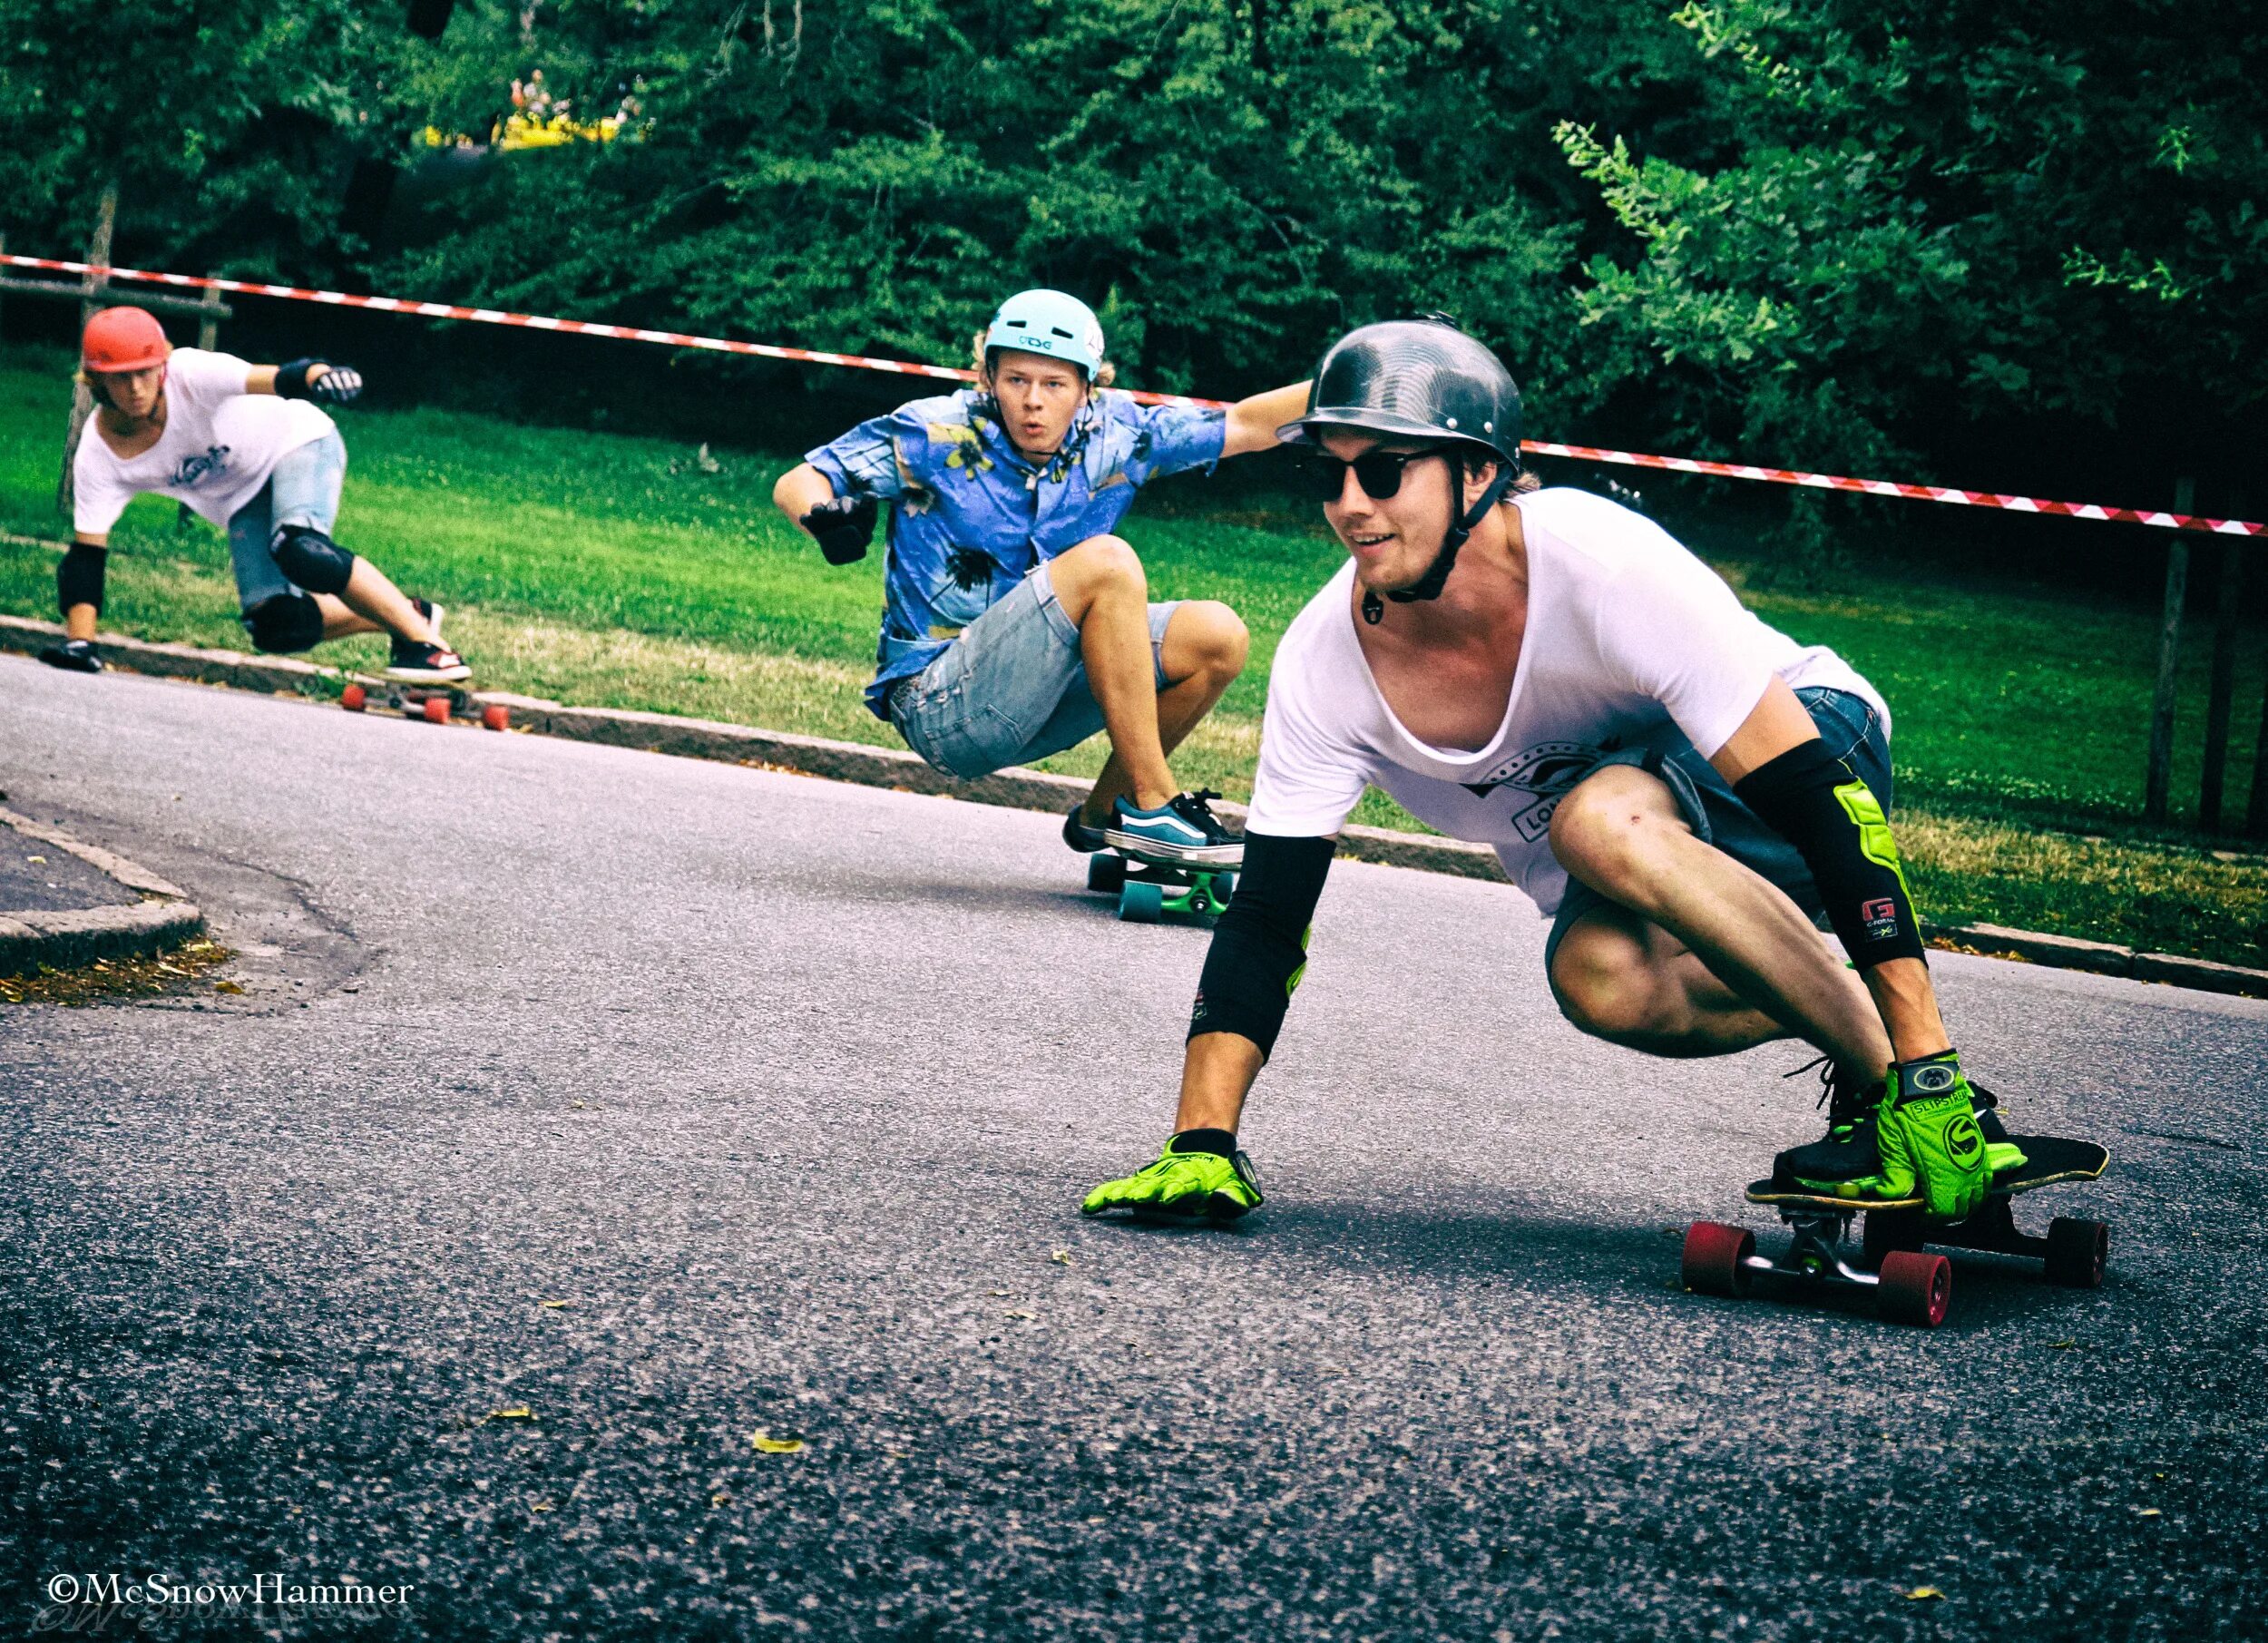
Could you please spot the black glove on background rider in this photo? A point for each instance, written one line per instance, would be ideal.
(338, 385)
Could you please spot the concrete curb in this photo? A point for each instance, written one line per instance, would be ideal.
(1022, 789)
(164, 919)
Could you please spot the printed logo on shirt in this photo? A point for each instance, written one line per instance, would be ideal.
(1880, 918)
(1546, 771)
(194, 471)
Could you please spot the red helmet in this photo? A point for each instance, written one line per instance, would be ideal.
(123, 339)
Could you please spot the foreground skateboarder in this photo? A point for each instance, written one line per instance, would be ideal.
(1017, 622)
(244, 446)
(1679, 786)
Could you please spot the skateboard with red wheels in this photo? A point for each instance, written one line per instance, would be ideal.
(1149, 891)
(1890, 1257)
(435, 704)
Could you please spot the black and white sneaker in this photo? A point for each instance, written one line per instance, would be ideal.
(1078, 836)
(1183, 832)
(73, 655)
(416, 662)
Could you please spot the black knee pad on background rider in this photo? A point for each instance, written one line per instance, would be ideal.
(289, 621)
(312, 560)
(79, 577)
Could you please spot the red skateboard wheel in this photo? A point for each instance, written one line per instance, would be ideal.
(2077, 1253)
(496, 716)
(1916, 1288)
(436, 710)
(1714, 1253)
(354, 697)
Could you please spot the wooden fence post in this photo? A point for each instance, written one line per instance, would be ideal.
(2256, 813)
(82, 402)
(2158, 778)
(208, 338)
(2221, 698)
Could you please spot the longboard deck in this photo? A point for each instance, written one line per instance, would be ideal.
(2048, 1158)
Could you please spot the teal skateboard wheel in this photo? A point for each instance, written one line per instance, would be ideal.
(1106, 872)
(1141, 904)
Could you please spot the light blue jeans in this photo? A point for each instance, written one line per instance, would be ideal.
(1011, 689)
(302, 489)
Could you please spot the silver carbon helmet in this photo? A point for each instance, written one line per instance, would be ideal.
(1423, 379)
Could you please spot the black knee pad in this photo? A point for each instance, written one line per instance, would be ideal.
(289, 621)
(313, 559)
(79, 577)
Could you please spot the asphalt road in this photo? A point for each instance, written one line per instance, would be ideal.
(782, 1095)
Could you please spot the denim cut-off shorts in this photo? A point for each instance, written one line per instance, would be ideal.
(302, 489)
(1853, 733)
(1013, 687)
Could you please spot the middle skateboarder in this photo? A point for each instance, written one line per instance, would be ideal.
(1016, 624)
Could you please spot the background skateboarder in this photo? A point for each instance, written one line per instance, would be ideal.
(244, 446)
(1678, 785)
(1016, 623)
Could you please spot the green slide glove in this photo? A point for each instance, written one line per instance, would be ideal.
(1183, 1186)
(1930, 1140)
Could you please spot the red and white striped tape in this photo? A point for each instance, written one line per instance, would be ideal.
(681, 340)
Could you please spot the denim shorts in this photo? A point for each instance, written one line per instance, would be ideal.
(1853, 733)
(1013, 687)
(302, 489)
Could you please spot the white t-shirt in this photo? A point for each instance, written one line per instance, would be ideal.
(1628, 632)
(218, 447)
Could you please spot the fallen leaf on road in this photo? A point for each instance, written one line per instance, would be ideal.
(555, 1304)
(1925, 1591)
(230, 988)
(37, 860)
(720, 1498)
(1025, 1315)
(765, 1441)
(517, 1412)
(539, 1506)
(1061, 1258)
(2150, 1512)
(997, 1293)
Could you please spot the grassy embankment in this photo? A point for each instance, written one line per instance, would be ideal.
(615, 571)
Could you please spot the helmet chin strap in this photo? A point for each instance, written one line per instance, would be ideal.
(1430, 585)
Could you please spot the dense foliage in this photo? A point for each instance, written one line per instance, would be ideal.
(1807, 230)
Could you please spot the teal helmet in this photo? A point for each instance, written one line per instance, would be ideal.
(1049, 323)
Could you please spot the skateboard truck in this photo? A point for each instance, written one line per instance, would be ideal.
(1908, 1283)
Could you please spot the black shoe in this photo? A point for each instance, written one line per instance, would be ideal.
(1848, 1152)
(73, 655)
(1078, 836)
(415, 662)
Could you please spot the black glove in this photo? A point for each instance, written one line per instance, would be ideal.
(73, 655)
(843, 525)
(338, 385)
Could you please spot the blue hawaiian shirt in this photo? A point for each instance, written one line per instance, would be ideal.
(970, 515)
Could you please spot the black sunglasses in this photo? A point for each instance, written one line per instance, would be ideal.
(1379, 473)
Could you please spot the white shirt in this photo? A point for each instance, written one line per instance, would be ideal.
(218, 447)
(1628, 632)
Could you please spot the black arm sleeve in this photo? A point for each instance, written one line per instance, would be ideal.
(1260, 948)
(1818, 804)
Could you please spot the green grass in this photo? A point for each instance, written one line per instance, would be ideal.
(616, 572)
